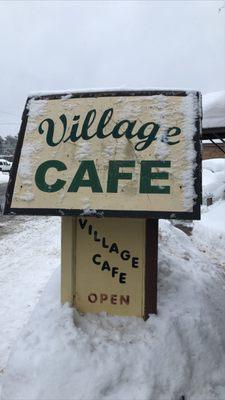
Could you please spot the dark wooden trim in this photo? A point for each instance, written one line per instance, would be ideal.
(151, 266)
(16, 159)
(109, 93)
(103, 213)
(198, 160)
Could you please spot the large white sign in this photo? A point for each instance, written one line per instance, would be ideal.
(113, 153)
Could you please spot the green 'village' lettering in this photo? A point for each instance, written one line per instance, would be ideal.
(87, 167)
(146, 134)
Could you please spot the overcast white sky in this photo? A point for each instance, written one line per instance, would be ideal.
(49, 45)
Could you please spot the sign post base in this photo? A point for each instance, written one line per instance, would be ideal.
(110, 264)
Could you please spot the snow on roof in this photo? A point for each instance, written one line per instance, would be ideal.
(214, 109)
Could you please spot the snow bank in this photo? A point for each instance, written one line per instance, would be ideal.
(213, 109)
(63, 355)
(214, 164)
(214, 218)
(213, 178)
(4, 177)
(29, 253)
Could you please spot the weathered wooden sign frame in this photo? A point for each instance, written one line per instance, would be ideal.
(194, 214)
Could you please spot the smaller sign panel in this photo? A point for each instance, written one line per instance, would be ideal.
(110, 266)
(130, 153)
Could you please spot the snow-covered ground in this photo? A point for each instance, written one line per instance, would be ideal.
(29, 253)
(61, 355)
(4, 177)
(213, 179)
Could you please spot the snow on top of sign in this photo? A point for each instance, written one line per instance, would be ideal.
(69, 92)
(161, 104)
(131, 108)
(190, 106)
(88, 212)
(108, 151)
(66, 97)
(214, 109)
(82, 150)
(25, 197)
(25, 167)
(35, 108)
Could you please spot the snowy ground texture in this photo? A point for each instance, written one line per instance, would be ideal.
(61, 355)
(30, 252)
(4, 177)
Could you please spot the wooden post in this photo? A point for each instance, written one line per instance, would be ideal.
(68, 238)
(151, 268)
(73, 269)
(110, 266)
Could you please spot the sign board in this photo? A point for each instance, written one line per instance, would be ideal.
(110, 266)
(130, 154)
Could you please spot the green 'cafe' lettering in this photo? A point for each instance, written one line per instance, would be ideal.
(147, 175)
(87, 167)
(79, 181)
(41, 174)
(114, 174)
